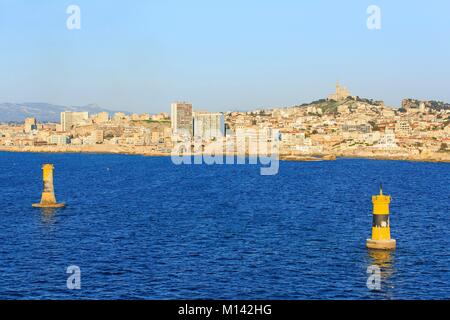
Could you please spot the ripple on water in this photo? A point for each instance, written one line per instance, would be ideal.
(142, 228)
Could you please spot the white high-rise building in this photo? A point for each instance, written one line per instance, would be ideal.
(181, 118)
(71, 119)
(209, 125)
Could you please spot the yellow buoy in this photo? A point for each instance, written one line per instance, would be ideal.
(48, 199)
(381, 229)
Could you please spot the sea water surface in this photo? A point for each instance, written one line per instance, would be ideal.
(143, 228)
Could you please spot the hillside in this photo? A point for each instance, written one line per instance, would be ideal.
(433, 105)
(331, 106)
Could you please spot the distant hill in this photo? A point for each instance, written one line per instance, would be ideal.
(433, 105)
(331, 106)
(43, 112)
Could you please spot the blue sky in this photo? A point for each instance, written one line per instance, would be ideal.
(221, 55)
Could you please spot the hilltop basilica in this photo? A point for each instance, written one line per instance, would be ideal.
(341, 93)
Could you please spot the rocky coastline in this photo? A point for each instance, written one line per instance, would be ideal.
(146, 151)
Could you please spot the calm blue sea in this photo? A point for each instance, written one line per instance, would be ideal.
(142, 228)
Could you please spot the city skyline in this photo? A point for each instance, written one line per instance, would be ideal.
(232, 158)
(221, 57)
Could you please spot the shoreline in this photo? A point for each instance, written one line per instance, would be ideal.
(144, 151)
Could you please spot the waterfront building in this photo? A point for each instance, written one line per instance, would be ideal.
(290, 139)
(97, 136)
(76, 142)
(403, 127)
(181, 119)
(371, 138)
(387, 141)
(72, 119)
(58, 139)
(208, 125)
(254, 140)
(157, 137)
